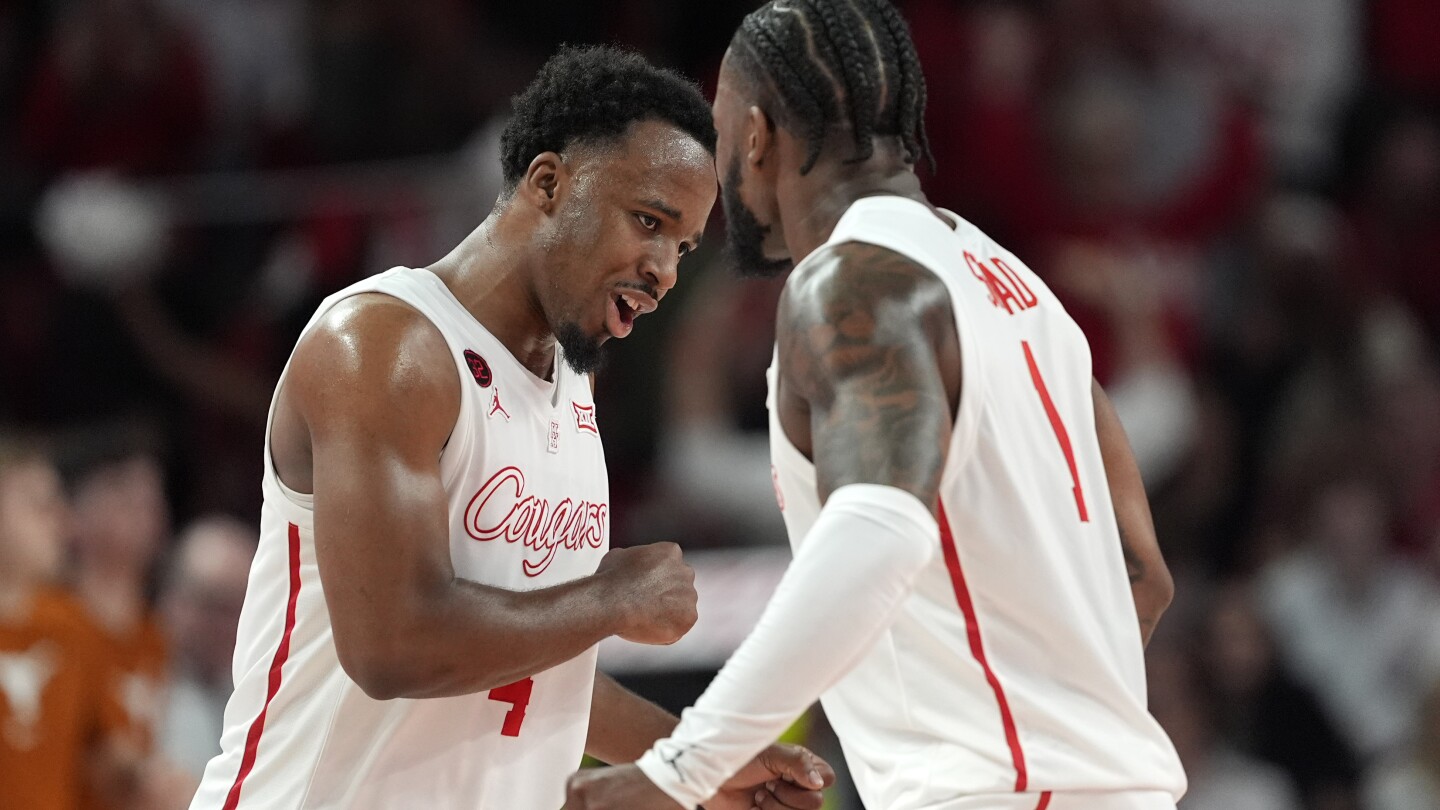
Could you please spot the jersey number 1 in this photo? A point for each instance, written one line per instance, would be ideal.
(518, 696)
(1056, 424)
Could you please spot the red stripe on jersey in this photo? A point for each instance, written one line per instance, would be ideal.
(977, 648)
(252, 740)
(1058, 425)
(1044, 801)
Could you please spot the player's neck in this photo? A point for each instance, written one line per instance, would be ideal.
(490, 277)
(810, 208)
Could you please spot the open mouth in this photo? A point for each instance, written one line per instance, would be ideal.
(625, 306)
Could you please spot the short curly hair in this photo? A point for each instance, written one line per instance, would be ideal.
(592, 95)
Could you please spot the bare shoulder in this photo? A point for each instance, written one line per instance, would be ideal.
(372, 356)
(855, 297)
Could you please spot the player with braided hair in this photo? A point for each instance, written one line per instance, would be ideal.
(822, 58)
(811, 96)
(976, 571)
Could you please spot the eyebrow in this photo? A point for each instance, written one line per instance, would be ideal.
(674, 215)
(662, 208)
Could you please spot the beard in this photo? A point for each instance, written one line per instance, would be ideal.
(584, 354)
(744, 235)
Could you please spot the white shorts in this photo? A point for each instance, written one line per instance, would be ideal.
(1134, 800)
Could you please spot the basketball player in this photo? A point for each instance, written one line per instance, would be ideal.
(975, 567)
(432, 578)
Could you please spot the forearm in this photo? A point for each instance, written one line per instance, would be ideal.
(843, 590)
(472, 637)
(1150, 582)
(1152, 592)
(623, 725)
(1149, 610)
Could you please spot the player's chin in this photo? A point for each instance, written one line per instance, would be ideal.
(582, 347)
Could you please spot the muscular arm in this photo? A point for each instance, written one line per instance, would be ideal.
(376, 389)
(1150, 581)
(857, 339)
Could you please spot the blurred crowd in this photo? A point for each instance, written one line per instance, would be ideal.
(1239, 200)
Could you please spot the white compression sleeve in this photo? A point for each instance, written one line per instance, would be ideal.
(845, 586)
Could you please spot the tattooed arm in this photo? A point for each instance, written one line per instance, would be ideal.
(862, 338)
(861, 334)
(1150, 581)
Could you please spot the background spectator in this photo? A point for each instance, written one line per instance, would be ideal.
(201, 603)
(1359, 627)
(63, 734)
(121, 526)
(1261, 711)
(1221, 777)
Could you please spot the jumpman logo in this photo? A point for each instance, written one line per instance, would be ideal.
(495, 406)
(673, 759)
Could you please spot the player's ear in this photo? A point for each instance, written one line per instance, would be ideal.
(543, 180)
(760, 137)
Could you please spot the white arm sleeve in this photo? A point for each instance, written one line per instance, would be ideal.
(844, 588)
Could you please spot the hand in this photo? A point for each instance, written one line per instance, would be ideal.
(782, 777)
(654, 592)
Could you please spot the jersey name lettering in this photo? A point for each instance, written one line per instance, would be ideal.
(1007, 290)
(501, 510)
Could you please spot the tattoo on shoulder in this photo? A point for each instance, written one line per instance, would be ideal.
(857, 339)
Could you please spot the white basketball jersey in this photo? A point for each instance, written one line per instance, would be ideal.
(528, 508)
(1016, 664)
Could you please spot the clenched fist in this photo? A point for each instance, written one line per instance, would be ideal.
(782, 777)
(653, 592)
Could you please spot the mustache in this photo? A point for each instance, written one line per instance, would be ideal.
(640, 286)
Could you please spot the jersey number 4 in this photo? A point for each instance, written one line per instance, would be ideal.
(518, 696)
(1058, 425)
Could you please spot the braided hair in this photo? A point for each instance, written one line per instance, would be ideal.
(838, 65)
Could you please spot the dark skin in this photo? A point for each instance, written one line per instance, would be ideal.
(869, 372)
(373, 396)
(1150, 581)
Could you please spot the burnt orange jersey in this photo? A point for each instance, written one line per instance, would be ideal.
(53, 705)
(134, 689)
(137, 683)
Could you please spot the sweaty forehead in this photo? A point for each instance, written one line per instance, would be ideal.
(652, 150)
(659, 161)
